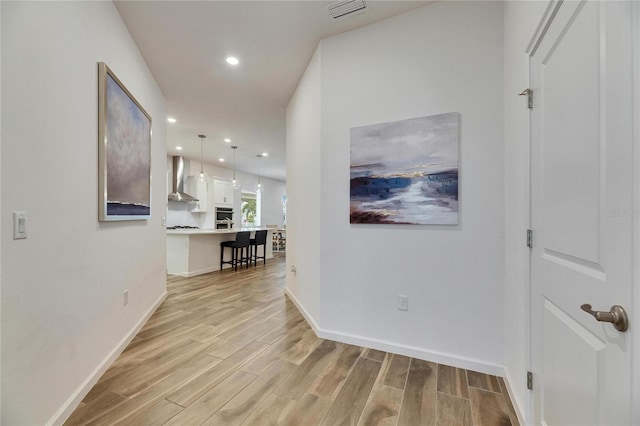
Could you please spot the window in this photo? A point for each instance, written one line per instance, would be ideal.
(284, 211)
(250, 208)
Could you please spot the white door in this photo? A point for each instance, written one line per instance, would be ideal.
(581, 189)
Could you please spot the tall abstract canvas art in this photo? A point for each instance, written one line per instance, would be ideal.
(406, 172)
(124, 154)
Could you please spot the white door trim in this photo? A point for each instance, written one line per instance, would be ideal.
(541, 29)
(634, 327)
(536, 37)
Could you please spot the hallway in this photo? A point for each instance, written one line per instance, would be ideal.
(229, 348)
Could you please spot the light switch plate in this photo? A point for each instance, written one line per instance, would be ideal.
(403, 302)
(19, 225)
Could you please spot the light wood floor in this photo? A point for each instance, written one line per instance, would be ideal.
(229, 348)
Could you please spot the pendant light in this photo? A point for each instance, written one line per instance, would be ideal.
(259, 186)
(202, 177)
(234, 182)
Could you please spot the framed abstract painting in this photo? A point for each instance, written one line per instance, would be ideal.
(124, 151)
(406, 172)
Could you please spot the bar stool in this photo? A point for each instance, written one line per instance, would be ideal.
(238, 248)
(259, 240)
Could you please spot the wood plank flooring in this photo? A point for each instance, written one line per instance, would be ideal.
(228, 348)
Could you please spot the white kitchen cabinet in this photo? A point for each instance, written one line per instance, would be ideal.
(200, 191)
(222, 193)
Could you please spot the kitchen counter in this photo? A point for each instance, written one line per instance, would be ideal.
(210, 231)
(192, 252)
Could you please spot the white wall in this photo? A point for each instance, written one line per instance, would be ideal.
(63, 317)
(441, 58)
(180, 214)
(304, 213)
(520, 21)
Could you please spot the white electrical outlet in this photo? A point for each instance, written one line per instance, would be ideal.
(403, 302)
(125, 298)
(164, 221)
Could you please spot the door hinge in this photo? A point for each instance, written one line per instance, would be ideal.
(529, 94)
(530, 238)
(529, 380)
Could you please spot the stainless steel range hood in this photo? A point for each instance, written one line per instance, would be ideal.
(178, 193)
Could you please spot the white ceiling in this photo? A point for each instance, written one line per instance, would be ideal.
(185, 44)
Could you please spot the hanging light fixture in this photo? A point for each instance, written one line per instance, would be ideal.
(259, 186)
(234, 182)
(202, 177)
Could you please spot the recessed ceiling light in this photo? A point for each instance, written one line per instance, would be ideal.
(232, 61)
(264, 154)
(179, 148)
(227, 140)
(221, 160)
(171, 120)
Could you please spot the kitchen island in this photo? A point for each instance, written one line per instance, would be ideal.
(192, 252)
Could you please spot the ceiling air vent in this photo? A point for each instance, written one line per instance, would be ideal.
(340, 9)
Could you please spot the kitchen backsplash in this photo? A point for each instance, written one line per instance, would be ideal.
(179, 215)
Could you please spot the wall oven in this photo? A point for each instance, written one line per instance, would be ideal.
(224, 215)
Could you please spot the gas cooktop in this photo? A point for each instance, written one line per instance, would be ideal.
(183, 227)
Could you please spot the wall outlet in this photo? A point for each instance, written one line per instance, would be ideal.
(164, 221)
(403, 302)
(125, 298)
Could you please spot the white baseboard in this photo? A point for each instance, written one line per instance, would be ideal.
(413, 352)
(517, 403)
(396, 348)
(201, 271)
(190, 274)
(312, 322)
(70, 405)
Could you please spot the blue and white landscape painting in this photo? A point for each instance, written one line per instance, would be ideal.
(406, 171)
(128, 155)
